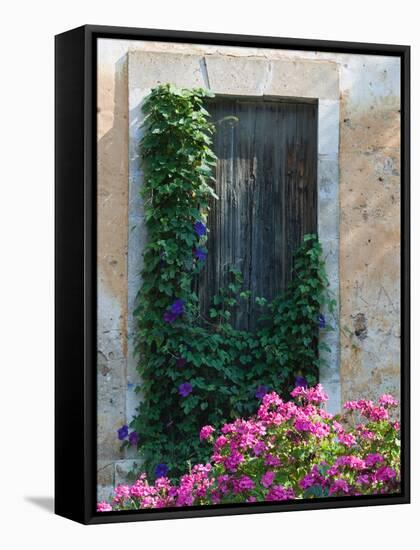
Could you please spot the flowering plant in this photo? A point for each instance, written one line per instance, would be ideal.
(194, 365)
(289, 450)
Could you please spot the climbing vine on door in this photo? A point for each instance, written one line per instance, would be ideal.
(196, 368)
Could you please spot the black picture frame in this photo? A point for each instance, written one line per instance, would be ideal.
(75, 271)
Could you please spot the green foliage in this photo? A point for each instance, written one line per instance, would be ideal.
(224, 366)
(291, 340)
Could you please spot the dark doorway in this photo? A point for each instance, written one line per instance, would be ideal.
(266, 183)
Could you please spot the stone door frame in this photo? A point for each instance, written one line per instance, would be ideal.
(254, 77)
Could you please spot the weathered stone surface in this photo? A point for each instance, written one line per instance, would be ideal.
(105, 479)
(124, 471)
(112, 199)
(333, 390)
(303, 78)
(236, 75)
(137, 238)
(370, 83)
(328, 127)
(112, 181)
(370, 130)
(105, 473)
(149, 69)
(104, 493)
(328, 194)
(370, 273)
(111, 401)
(329, 234)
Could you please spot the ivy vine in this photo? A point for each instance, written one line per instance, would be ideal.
(196, 372)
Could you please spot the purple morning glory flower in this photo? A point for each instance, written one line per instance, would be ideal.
(300, 381)
(180, 362)
(321, 321)
(261, 391)
(133, 438)
(161, 470)
(177, 308)
(122, 432)
(185, 389)
(200, 254)
(169, 317)
(200, 228)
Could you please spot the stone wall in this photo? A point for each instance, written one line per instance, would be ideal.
(358, 196)
(369, 226)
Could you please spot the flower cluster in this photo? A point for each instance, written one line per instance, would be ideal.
(200, 254)
(322, 322)
(185, 389)
(261, 391)
(161, 470)
(122, 433)
(192, 489)
(176, 309)
(289, 450)
(200, 228)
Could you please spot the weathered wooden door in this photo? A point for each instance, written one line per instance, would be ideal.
(266, 183)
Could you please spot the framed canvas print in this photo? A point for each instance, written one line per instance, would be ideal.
(232, 274)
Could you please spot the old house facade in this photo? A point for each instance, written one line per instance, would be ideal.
(357, 103)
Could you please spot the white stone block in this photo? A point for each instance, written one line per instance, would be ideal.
(303, 78)
(147, 70)
(237, 75)
(328, 127)
(333, 390)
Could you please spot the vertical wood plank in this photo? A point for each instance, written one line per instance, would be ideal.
(266, 182)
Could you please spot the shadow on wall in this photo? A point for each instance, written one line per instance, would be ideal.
(112, 146)
(112, 169)
(116, 398)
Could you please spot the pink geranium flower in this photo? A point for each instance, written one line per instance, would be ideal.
(387, 400)
(297, 442)
(103, 507)
(268, 478)
(206, 432)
